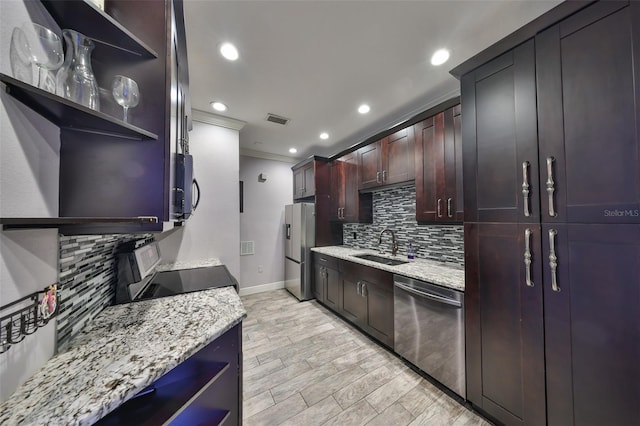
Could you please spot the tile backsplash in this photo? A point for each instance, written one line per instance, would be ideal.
(396, 209)
(87, 278)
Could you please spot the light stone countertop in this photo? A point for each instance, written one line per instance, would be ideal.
(444, 274)
(122, 351)
(188, 264)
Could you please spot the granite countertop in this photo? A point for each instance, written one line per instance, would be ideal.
(444, 274)
(189, 264)
(123, 350)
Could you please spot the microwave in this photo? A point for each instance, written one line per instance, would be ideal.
(187, 190)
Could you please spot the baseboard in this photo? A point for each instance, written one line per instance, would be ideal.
(244, 291)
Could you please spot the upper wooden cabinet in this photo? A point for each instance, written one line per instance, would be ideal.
(387, 161)
(438, 165)
(347, 204)
(311, 177)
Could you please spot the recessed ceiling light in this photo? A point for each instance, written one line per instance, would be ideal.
(440, 57)
(229, 51)
(293, 150)
(218, 106)
(363, 109)
(324, 135)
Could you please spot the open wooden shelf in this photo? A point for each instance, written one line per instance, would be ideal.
(9, 223)
(71, 115)
(86, 18)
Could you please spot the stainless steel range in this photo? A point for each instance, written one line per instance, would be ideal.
(139, 280)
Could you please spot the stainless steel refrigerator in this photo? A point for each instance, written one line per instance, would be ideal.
(300, 236)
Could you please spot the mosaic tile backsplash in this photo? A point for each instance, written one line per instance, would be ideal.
(87, 277)
(396, 209)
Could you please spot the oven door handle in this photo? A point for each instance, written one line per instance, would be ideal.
(431, 296)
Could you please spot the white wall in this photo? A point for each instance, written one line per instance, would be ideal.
(263, 219)
(213, 231)
(29, 165)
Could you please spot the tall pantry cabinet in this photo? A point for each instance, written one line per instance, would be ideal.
(551, 151)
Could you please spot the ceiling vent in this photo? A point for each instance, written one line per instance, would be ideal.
(277, 119)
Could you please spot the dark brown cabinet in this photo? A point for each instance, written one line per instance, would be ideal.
(551, 155)
(347, 204)
(387, 161)
(362, 295)
(311, 178)
(438, 165)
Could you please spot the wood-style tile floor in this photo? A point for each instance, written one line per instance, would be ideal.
(305, 366)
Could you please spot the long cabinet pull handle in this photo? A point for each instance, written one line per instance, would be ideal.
(525, 187)
(550, 186)
(358, 284)
(439, 207)
(384, 176)
(363, 289)
(378, 177)
(449, 212)
(341, 212)
(527, 257)
(553, 260)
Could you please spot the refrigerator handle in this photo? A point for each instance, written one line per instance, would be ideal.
(288, 225)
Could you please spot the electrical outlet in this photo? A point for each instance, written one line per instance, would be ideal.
(354, 235)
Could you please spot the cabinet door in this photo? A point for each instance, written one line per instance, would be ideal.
(504, 322)
(337, 188)
(319, 282)
(379, 318)
(354, 305)
(499, 136)
(309, 181)
(453, 165)
(333, 295)
(429, 164)
(351, 197)
(398, 152)
(592, 322)
(589, 114)
(298, 183)
(370, 165)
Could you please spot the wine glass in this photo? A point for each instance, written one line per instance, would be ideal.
(125, 92)
(45, 50)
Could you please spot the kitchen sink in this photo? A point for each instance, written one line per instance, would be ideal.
(380, 259)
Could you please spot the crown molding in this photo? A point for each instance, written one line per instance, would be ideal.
(268, 156)
(217, 120)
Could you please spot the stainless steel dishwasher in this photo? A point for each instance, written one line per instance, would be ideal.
(429, 330)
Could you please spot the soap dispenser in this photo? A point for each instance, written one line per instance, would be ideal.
(410, 254)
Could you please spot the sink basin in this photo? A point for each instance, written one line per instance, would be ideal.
(380, 259)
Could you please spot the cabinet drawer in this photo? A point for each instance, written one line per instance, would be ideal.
(324, 260)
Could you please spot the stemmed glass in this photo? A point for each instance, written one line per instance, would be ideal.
(125, 92)
(45, 51)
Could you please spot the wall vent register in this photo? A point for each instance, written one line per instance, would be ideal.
(247, 248)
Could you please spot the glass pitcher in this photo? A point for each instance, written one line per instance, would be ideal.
(75, 79)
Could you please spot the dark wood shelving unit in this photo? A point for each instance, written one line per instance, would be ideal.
(9, 223)
(88, 19)
(71, 115)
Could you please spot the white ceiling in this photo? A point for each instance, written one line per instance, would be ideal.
(316, 61)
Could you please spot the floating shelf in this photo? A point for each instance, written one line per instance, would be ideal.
(88, 19)
(9, 223)
(68, 114)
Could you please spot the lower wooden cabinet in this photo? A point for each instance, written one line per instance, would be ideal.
(361, 294)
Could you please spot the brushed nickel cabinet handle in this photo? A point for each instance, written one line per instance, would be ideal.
(358, 284)
(553, 260)
(449, 213)
(527, 257)
(439, 207)
(550, 186)
(384, 176)
(378, 177)
(525, 187)
(341, 212)
(363, 289)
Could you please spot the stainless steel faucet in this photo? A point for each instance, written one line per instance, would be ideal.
(394, 243)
